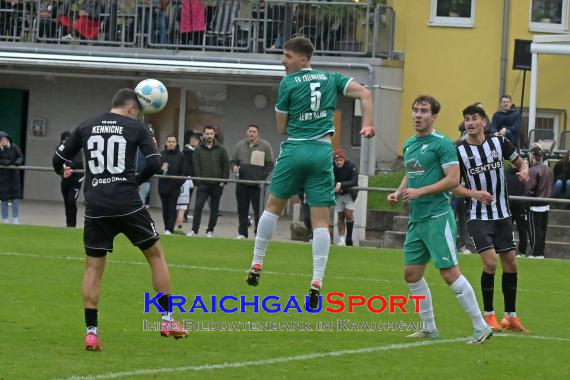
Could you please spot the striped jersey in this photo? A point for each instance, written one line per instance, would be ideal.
(482, 170)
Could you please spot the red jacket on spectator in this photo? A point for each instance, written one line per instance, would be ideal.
(193, 16)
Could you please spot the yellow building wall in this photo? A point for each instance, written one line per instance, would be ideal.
(553, 73)
(460, 66)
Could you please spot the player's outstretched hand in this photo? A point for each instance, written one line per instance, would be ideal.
(393, 197)
(368, 131)
(484, 197)
(67, 171)
(410, 193)
(523, 175)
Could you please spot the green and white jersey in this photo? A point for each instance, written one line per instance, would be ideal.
(308, 97)
(425, 158)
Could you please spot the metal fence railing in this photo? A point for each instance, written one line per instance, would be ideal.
(335, 27)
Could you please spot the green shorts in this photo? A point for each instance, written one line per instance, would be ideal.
(433, 237)
(305, 165)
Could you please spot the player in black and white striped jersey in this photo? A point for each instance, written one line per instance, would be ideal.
(481, 161)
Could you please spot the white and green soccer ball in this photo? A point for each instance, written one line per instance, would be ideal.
(152, 95)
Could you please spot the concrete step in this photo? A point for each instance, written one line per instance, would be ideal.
(559, 217)
(371, 243)
(380, 220)
(555, 233)
(560, 234)
(556, 250)
(553, 249)
(400, 223)
(394, 239)
(374, 234)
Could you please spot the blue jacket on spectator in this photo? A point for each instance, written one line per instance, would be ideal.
(511, 120)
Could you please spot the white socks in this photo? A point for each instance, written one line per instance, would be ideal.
(466, 297)
(321, 247)
(421, 288)
(265, 230)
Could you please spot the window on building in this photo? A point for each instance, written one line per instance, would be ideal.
(548, 15)
(458, 13)
(545, 119)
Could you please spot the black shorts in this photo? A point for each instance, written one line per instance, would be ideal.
(492, 234)
(99, 233)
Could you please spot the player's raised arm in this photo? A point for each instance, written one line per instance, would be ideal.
(357, 91)
(65, 152)
(281, 122)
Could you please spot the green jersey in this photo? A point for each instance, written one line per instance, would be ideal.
(425, 158)
(308, 97)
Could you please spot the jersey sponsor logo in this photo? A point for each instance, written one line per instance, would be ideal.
(485, 168)
(307, 116)
(414, 168)
(105, 181)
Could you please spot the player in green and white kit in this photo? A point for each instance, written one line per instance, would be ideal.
(304, 111)
(432, 169)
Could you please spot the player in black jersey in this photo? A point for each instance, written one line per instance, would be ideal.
(481, 162)
(112, 204)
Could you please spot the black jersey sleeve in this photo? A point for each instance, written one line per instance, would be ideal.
(66, 152)
(509, 151)
(150, 152)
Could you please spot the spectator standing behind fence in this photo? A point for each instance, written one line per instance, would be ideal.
(10, 185)
(172, 163)
(210, 161)
(48, 11)
(192, 22)
(562, 177)
(507, 121)
(144, 187)
(539, 185)
(71, 185)
(188, 153)
(81, 17)
(519, 209)
(345, 177)
(252, 160)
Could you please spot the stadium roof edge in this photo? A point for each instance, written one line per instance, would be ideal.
(144, 64)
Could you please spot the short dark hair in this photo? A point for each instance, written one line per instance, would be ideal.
(209, 127)
(435, 106)
(171, 135)
(506, 96)
(253, 126)
(474, 109)
(537, 152)
(123, 97)
(300, 45)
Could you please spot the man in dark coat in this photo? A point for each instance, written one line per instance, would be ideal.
(210, 160)
(345, 177)
(10, 185)
(172, 163)
(507, 121)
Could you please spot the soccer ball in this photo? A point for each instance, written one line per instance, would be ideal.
(152, 95)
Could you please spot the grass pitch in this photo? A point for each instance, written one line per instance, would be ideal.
(42, 328)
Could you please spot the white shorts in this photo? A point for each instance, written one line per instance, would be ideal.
(344, 202)
(184, 197)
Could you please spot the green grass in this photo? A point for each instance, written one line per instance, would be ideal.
(377, 201)
(42, 328)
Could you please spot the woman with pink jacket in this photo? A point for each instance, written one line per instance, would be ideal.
(192, 22)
